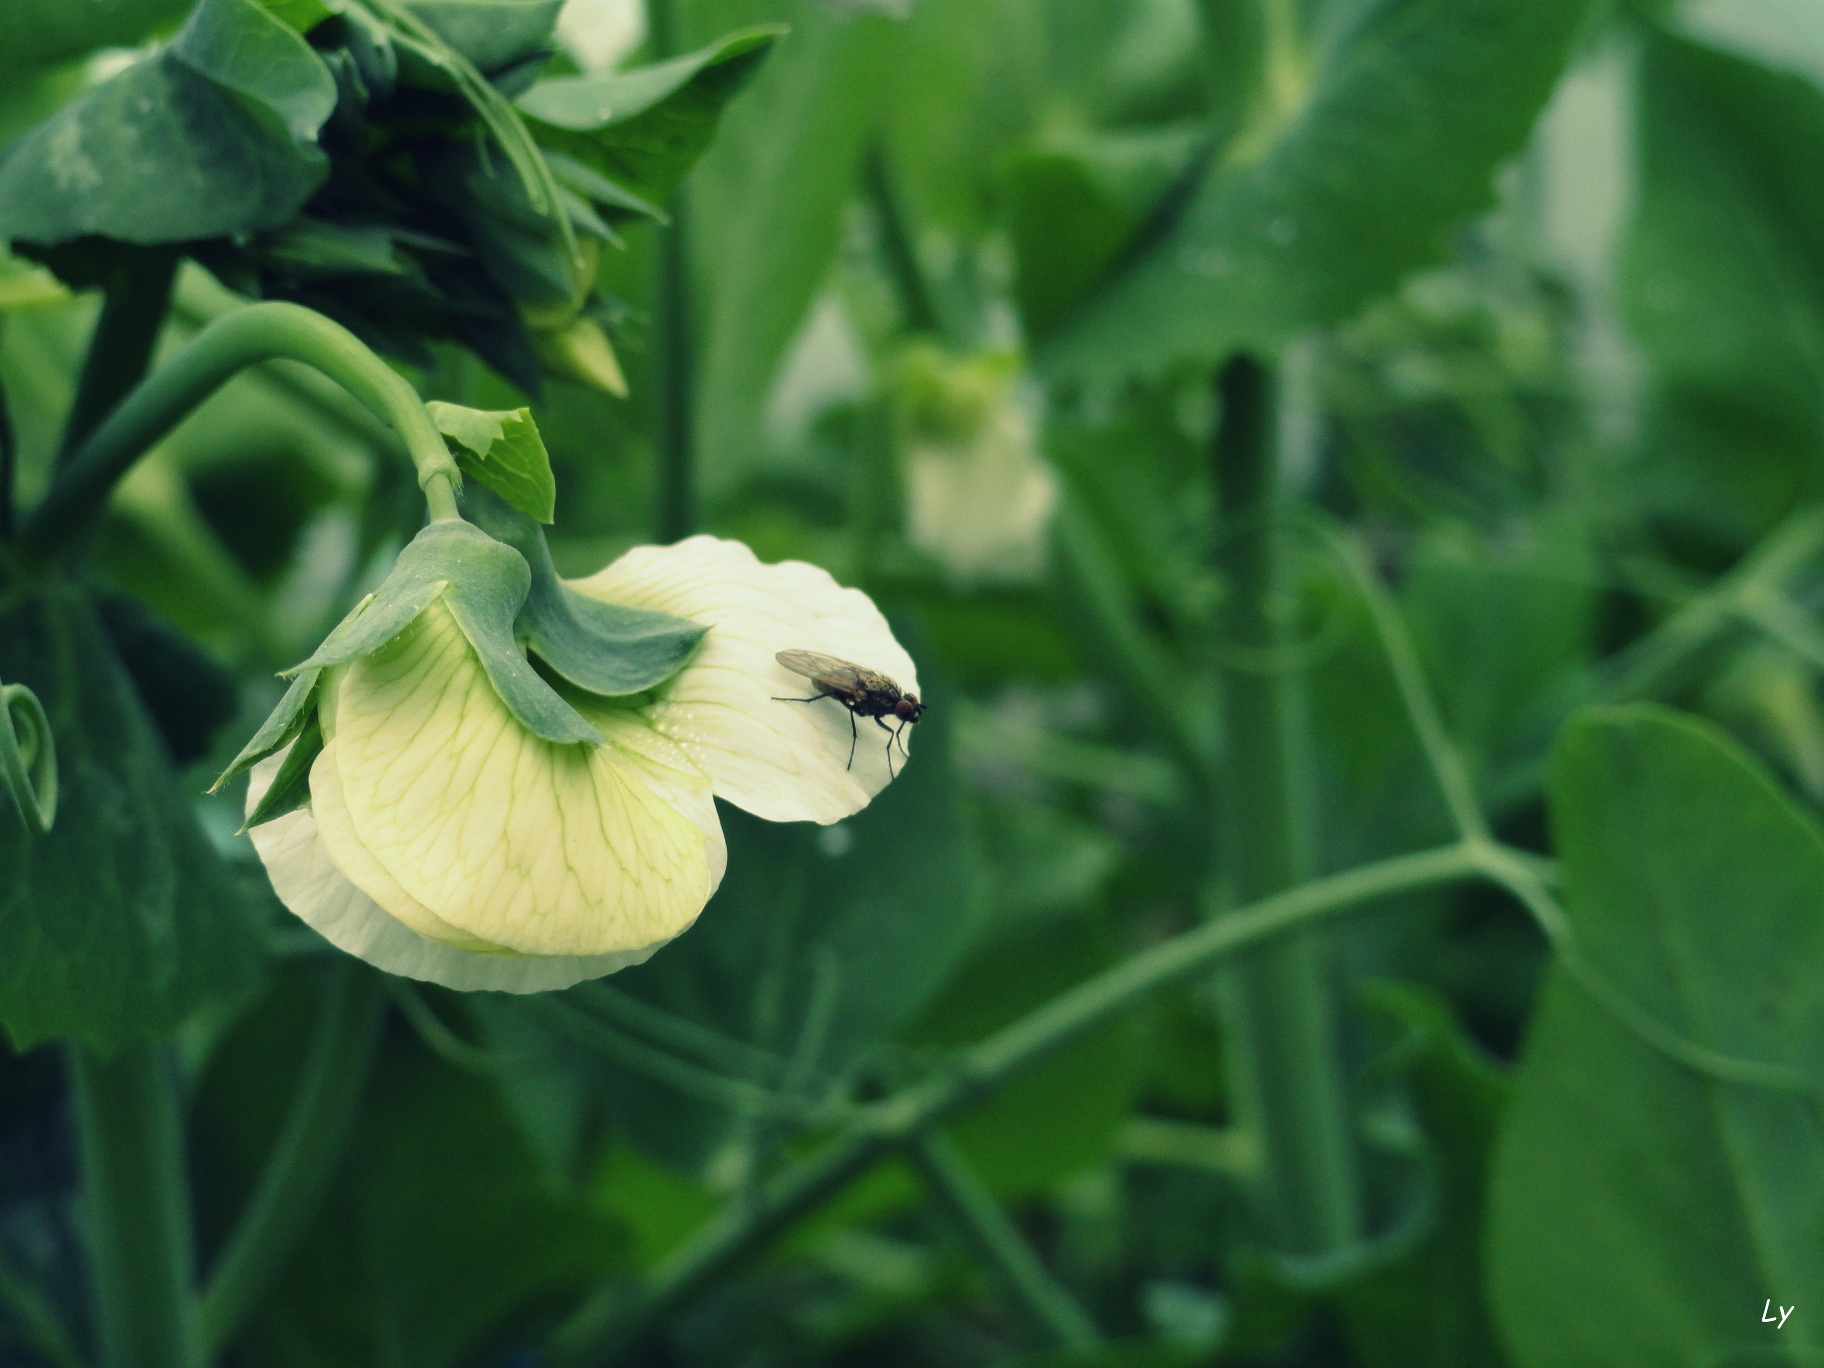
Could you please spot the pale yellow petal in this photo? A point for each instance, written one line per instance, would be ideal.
(782, 761)
(540, 848)
(308, 882)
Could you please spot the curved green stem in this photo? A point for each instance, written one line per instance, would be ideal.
(1047, 1301)
(1442, 756)
(136, 1206)
(606, 1325)
(305, 1156)
(260, 332)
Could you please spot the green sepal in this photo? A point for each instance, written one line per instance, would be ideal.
(286, 721)
(484, 583)
(502, 450)
(291, 785)
(605, 648)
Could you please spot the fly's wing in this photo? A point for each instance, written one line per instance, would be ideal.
(830, 675)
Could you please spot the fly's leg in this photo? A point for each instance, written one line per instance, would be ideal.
(890, 735)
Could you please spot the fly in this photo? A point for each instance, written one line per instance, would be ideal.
(864, 692)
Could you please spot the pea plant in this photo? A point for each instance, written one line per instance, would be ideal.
(1075, 683)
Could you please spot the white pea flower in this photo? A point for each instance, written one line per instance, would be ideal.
(978, 495)
(456, 824)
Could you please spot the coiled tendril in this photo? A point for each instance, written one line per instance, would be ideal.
(28, 757)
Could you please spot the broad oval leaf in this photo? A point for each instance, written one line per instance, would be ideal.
(1396, 139)
(1643, 1211)
(492, 34)
(214, 135)
(121, 920)
(45, 32)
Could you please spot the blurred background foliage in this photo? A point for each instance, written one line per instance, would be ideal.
(939, 309)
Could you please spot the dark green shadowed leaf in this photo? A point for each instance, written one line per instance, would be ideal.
(777, 188)
(240, 48)
(440, 1243)
(214, 135)
(602, 647)
(1394, 139)
(42, 33)
(120, 921)
(492, 34)
(1722, 283)
(483, 583)
(1076, 206)
(642, 129)
(503, 451)
(1643, 1211)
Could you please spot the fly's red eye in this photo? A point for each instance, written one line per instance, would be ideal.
(905, 710)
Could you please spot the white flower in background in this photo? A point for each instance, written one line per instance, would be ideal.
(600, 34)
(444, 839)
(978, 496)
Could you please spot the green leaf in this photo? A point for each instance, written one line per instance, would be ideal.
(484, 583)
(503, 451)
(605, 648)
(1393, 140)
(492, 34)
(1642, 1211)
(1722, 283)
(120, 921)
(300, 16)
(315, 248)
(216, 134)
(642, 129)
(441, 1238)
(1073, 208)
(770, 200)
(188, 696)
(46, 32)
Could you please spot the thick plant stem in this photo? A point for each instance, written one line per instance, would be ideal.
(304, 1157)
(261, 332)
(136, 1207)
(1285, 1073)
(606, 1326)
(1045, 1300)
(121, 346)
